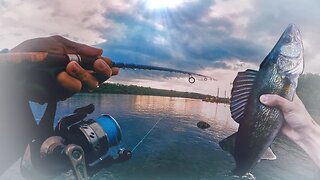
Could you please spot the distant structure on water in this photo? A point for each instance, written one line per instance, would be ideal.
(217, 99)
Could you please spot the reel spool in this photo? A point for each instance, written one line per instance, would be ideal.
(94, 136)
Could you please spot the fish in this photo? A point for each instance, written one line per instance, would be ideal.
(259, 124)
(228, 144)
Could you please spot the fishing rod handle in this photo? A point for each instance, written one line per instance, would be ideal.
(60, 60)
(49, 59)
(45, 59)
(53, 63)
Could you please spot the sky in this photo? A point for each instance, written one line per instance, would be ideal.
(217, 38)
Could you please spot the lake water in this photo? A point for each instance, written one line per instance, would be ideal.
(176, 148)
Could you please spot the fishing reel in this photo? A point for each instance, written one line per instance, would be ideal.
(77, 144)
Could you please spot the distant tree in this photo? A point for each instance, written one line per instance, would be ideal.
(309, 92)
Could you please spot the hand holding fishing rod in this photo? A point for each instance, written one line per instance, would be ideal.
(47, 70)
(21, 83)
(70, 76)
(72, 66)
(43, 63)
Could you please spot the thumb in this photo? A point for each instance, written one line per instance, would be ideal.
(274, 100)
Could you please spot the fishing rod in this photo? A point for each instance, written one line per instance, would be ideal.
(157, 68)
(51, 59)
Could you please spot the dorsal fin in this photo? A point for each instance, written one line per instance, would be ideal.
(241, 90)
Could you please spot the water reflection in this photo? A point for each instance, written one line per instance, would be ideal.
(176, 148)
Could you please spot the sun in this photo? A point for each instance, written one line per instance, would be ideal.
(161, 4)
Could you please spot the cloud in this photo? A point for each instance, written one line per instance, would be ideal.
(238, 12)
(192, 35)
(188, 35)
(272, 17)
(229, 35)
(209, 31)
(24, 19)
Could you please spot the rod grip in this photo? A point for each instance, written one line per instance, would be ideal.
(44, 59)
(58, 60)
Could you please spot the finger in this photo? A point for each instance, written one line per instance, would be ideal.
(75, 70)
(70, 83)
(274, 100)
(107, 60)
(78, 48)
(103, 68)
(115, 70)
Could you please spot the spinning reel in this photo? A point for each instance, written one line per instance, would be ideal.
(77, 143)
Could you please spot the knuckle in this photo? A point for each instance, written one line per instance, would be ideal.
(89, 80)
(102, 67)
(57, 37)
(74, 69)
(68, 82)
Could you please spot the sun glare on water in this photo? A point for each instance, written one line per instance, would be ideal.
(160, 4)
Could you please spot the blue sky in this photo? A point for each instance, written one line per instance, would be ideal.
(217, 38)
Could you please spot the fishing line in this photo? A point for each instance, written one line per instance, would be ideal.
(146, 135)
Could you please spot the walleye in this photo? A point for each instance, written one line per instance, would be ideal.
(259, 124)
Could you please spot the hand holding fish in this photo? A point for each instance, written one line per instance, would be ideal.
(259, 124)
(73, 77)
(299, 125)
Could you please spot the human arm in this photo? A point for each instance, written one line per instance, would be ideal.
(299, 125)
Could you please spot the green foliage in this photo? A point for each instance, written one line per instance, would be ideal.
(308, 91)
(138, 90)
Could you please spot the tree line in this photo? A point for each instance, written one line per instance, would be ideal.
(139, 90)
(308, 90)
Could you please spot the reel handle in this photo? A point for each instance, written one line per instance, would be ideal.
(76, 156)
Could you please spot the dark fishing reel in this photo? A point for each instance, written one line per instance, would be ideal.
(79, 144)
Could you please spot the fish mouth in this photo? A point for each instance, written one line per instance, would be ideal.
(291, 35)
(288, 52)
